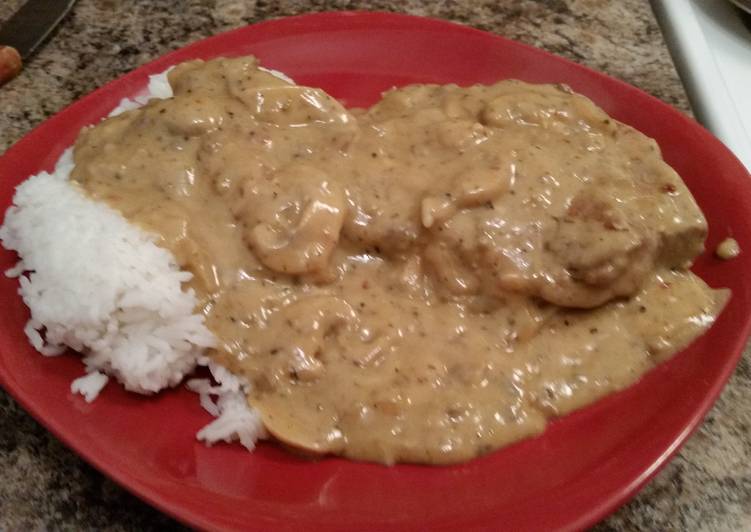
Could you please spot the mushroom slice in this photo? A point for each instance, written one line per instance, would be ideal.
(304, 430)
(305, 246)
(470, 189)
(296, 421)
(311, 319)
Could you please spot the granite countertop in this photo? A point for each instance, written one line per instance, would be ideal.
(43, 485)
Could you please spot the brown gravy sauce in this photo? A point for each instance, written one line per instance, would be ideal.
(422, 281)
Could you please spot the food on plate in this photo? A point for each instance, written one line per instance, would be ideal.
(424, 281)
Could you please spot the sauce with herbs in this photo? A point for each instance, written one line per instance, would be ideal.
(422, 281)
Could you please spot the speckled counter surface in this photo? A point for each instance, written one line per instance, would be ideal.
(43, 485)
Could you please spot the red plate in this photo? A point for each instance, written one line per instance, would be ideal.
(582, 468)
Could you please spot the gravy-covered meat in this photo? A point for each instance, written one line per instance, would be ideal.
(425, 280)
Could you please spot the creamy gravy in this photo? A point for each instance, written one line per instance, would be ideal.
(423, 281)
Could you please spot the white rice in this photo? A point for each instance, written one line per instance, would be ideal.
(99, 285)
(235, 419)
(89, 385)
